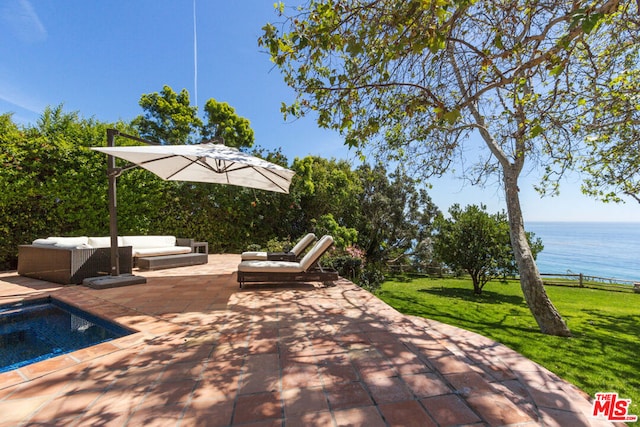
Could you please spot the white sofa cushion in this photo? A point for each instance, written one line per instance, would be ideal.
(164, 250)
(102, 242)
(44, 242)
(142, 245)
(139, 242)
(63, 242)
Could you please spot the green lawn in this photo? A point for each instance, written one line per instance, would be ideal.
(603, 354)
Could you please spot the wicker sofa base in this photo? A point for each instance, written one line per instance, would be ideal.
(315, 275)
(69, 266)
(171, 261)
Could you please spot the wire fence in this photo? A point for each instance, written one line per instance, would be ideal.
(583, 281)
(558, 279)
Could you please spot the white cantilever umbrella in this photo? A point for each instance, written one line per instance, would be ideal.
(214, 163)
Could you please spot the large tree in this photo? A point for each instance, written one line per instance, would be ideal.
(418, 79)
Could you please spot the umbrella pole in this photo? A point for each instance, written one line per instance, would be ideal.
(113, 215)
(114, 279)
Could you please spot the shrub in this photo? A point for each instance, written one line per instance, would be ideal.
(372, 277)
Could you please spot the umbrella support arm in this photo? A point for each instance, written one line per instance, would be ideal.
(116, 132)
(116, 172)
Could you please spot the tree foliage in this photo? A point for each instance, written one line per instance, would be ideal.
(478, 243)
(52, 183)
(326, 186)
(223, 122)
(395, 216)
(169, 118)
(612, 158)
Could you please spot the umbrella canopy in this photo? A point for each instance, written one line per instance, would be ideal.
(213, 163)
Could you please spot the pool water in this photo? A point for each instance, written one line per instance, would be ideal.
(40, 329)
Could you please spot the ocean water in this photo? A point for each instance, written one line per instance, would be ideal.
(601, 249)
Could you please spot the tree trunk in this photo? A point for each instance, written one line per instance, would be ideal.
(477, 289)
(543, 310)
(549, 320)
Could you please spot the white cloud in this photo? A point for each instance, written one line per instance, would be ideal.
(11, 95)
(22, 20)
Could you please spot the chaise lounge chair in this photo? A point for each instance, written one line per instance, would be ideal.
(308, 269)
(292, 255)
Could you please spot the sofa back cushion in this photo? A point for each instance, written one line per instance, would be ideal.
(103, 242)
(149, 241)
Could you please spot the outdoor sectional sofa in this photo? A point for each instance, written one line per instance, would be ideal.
(70, 260)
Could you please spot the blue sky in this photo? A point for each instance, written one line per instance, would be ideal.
(99, 57)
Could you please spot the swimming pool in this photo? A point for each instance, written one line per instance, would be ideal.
(39, 329)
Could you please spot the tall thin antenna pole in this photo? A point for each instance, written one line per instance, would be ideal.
(195, 54)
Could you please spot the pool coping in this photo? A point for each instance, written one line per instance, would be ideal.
(99, 308)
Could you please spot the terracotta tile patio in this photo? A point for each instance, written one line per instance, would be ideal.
(210, 354)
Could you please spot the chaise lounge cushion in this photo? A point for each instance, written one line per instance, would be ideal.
(296, 250)
(271, 266)
(254, 256)
(275, 271)
(308, 261)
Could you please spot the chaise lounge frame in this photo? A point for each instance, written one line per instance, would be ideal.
(318, 274)
(307, 270)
